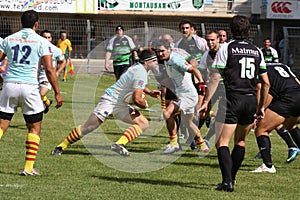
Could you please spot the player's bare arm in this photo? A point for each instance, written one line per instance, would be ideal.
(51, 75)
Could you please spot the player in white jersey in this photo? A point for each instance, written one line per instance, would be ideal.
(24, 49)
(58, 59)
(112, 102)
(179, 71)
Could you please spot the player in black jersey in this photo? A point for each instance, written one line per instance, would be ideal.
(239, 63)
(284, 108)
(271, 56)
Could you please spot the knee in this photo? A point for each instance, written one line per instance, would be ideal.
(144, 124)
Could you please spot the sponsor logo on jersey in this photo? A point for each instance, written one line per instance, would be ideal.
(238, 50)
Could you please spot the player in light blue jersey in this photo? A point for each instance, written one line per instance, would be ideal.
(180, 73)
(58, 59)
(113, 102)
(24, 49)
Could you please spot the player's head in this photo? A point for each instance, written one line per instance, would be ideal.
(148, 58)
(163, 49)
(212, 39)
(240, 27)
(267, 43)
(47, 34)
(222, 36)
(63, 35)
(185, 27)
(120, 30)
(30, 19)
(168, 37)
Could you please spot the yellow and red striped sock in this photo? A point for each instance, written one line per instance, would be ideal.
(130, 134)
(46, 101)
(173, 139)
(73, 137)
(32, 147)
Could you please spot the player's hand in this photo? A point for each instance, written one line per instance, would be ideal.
(59, 100)
(155, 93)
(107, 67)
(203, 109)
(201, 87)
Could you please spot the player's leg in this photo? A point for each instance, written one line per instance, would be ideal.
(238, 152)
(187, 119)
(224, 133)
(5, 119)
(262, 130)
(33, 123)
(139, 124)
(44, 88)
(170, 114)
(292, 147)
(103, 109)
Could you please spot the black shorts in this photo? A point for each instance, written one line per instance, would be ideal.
(120, 69)
(235, 108)
(170, 95)
(287, 105)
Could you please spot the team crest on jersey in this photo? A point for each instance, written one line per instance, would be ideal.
(50, 49)
(24, 36)
(140, 83)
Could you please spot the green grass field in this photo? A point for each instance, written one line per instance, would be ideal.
(89, 170)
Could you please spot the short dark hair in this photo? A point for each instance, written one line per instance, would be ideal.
(240, 27)
(62, 32)
(164, 43)
(29, 18)
(45, 31)
(186, 21)
(147, 55)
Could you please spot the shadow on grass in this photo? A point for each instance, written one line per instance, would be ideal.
(156, 182)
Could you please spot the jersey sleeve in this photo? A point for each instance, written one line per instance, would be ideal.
(262, 65)
(140, 80)
(203, 63)
(131, 43)
(110, 45)
(180, 64)
(221, 58)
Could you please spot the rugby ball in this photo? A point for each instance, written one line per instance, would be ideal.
(128, 97)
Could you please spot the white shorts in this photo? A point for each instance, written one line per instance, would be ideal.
(187, 102)
(22, 95)
(106, 106)
(48, 86)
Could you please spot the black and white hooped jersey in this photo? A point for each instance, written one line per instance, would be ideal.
(282, 79)
(239, 62)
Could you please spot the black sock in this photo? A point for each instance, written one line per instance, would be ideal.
(237, 156)
(211, 131)
(201, 122)
(295, 133)
(264, 145)
(284, 134)
(225, 163)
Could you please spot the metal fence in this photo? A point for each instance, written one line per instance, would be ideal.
(291, 51)
(86, 34)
